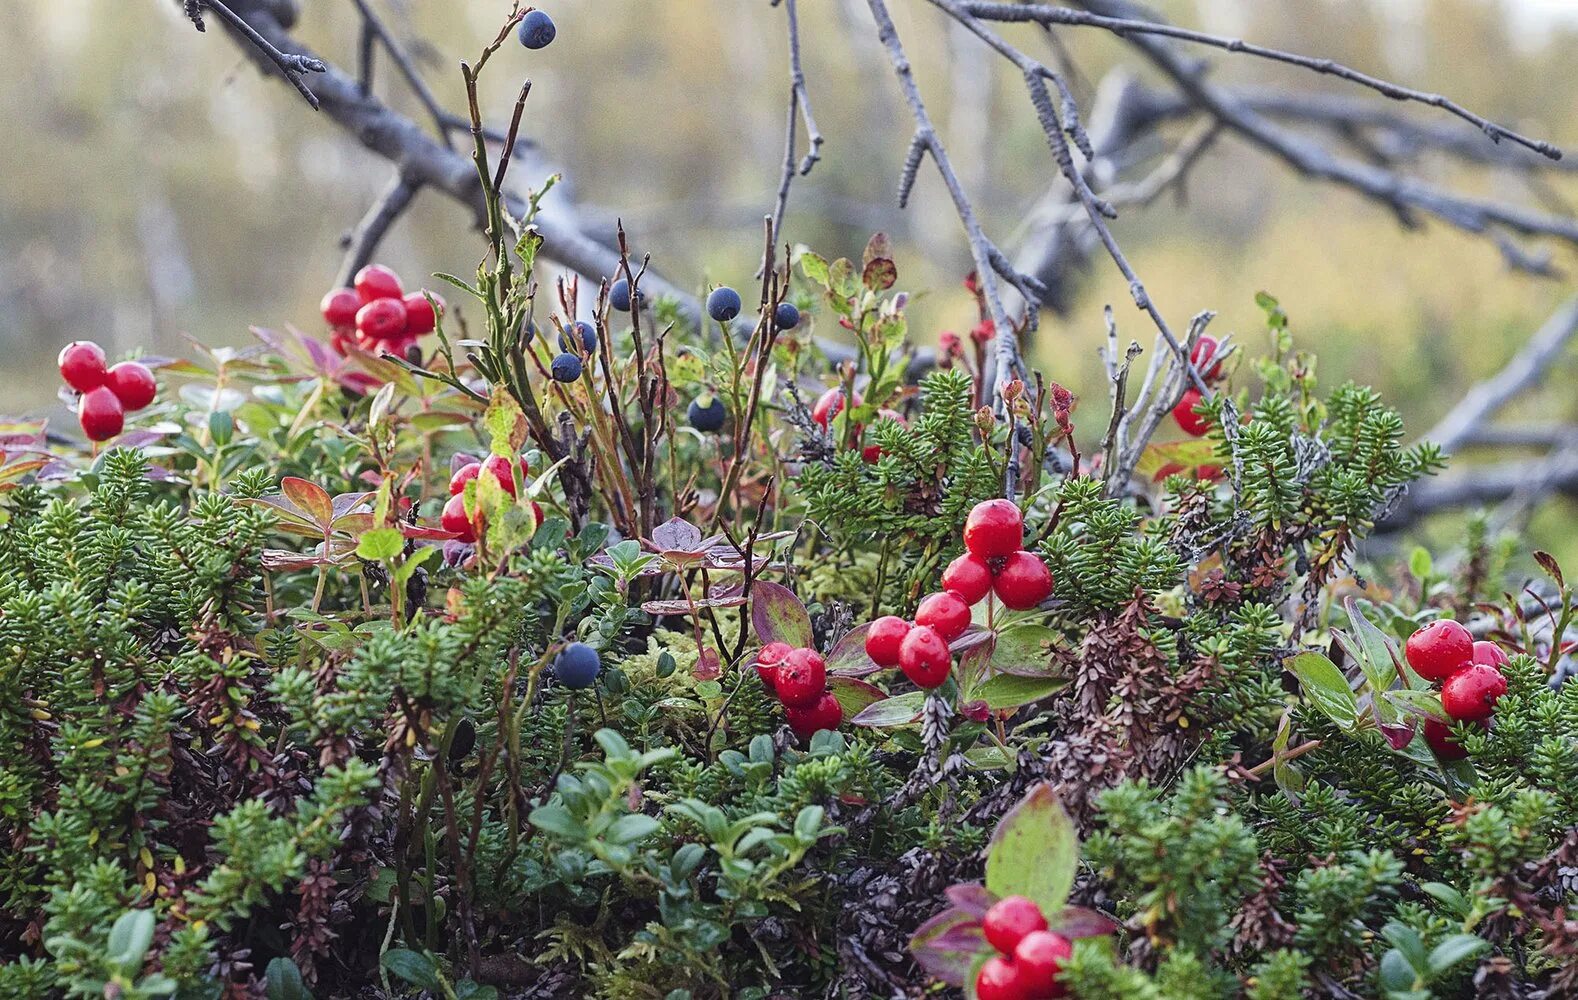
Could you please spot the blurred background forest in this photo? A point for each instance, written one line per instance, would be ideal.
(155, 185)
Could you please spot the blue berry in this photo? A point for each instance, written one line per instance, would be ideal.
(566, 368)
(707, 418)
(786, 316)
(619, 295)
(723, 304)
(578, 666)
(588, 334)
(537, 30)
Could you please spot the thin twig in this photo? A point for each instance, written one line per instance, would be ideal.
(363, 242)
(291, 65)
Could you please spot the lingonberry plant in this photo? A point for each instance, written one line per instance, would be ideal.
(600, 646)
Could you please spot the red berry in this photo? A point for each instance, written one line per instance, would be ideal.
(829, 405)
(499, 467)
(884, 638)
(375, 282)
(1040, 956)
(946, 612)
(924, 657)
(802, 678)
(1009, 920)
(1193, 424)
(1439, 650)
(100, 414)
(1471, 693)
(382, 319)
(1023, 582)
(463, 475)
(339, 306)
(419, 315)
(82, 365)
(1439, 735)
(1490, 654)
(999, 979)
(994, 529)
(1201, 357)
(455, 519)
(342, 339)
(767, 662)
(968, 576)
(823, 713)
(132, 384)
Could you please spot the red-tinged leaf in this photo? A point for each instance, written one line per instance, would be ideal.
(685, 607)
(849, 658)
(854, 695)
(420, 533)
(355, 524)
(311, 499)
(948, 944)
(344, 503)
(971, 897)
(709, 666)
(285, 561)
(778, 616)
(1079, 922)
(1398, 735)
(880, 274)
(901, 710)
(677, 535)
(16, 470)
(1034, 851)
(973, 638)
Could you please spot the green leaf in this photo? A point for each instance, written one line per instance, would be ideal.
(854, 695)
(468, 990)
(1395, 973)
(1013, 690)
(130, 937)
(1407, 941)
(412, 966)
(842, 280)
(1454, 950)
(380, 544)
(808, 823)
(506, 424)
(629, 829)
(898, 711)
(814, 267)
(1420, 564)
(558, 821)
(778, 616)
(1326, 688)
(1380, 655)
(1034, 851)
(282, 981)
(1023, 649)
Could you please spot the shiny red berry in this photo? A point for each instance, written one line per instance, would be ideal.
(1040, 956)
(382, 319)
(100, 414)
(375, 282)
(946, 612)
(768, 660)
(420, 317)
(829, 405)
(969, 576)
(924, 657)
(1203, 357)
(994, 529)
(342, 339)
(1023, 582)
(1470, 694)
(455, 520)
(1490, 654)
(339, 307)
(463, 475)
(499, 468)
(1439, 650)
(823, 713)
(1009, 920)
(82, 365)
(884, 638)
(999, 979)
(1439, 735)
(1193, 424)
(802, 678)
(132, 384)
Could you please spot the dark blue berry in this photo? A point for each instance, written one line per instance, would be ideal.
(786, 316)
(588, 334)
(723, 304)
(707, 418)
(619, 295)
(566, 368)
(577, 666)
(537, 30)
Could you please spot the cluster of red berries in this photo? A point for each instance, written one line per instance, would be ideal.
(376, 313)
(1204, 358)
(994, 562)
(799, 678)
(107, 392)
(1030, 956)
(831, 403)
(454, 517)
(1469, 673)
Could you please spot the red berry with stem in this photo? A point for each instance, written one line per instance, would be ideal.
(1040, 956)
(1203, 357)
(132, 384)
(1470, 694)
(884, 638)
(969, 576)
(802, 678)
(499, 468)
(375, 282)
(924, 657)
(82, 365)
(999, 979)
(100, 414)
(1439, 649)
(994, 529)
(382, 319)
(1439, 735)
(768, 660)
(1193, 424)
(1023, 582)
(420, 317)
(463, 475)
(823, 713)
(1009, 920)
(454, 519)
(946, 612)
(339, 307)
(1490, 654)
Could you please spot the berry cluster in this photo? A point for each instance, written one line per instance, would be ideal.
(799, 678)
(994, 562)
(107, 392)
(1204, 357)
(831, 403)
(1029, 956)
(496, 466)
(1469, 673)
(376, 314)
(576, 343)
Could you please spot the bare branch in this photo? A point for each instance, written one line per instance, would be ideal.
(293, 66)
(363, 242)
(799, 106)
